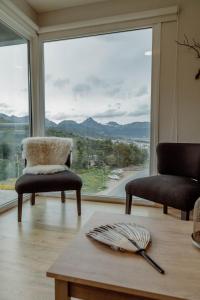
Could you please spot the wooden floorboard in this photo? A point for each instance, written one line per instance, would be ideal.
(27, 250)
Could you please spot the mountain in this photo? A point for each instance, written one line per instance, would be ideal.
(112, 123)
(90, 128)
(90, 123)
(49, 124)
(13, 119)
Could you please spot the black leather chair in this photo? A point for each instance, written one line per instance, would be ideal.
(178, 182)
(61, 181)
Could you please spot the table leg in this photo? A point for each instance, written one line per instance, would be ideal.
(61, 290)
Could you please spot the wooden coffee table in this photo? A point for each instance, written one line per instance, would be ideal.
(89, 270)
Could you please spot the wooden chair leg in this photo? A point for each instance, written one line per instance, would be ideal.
(128, 203)
(20, 201)
(33, 199)
(63, 196)
(185, 215)
(165, 209)
(78, 198)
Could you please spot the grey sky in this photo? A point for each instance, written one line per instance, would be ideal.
(14, 80)
(106, 77)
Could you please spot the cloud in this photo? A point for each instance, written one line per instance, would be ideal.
(60, 116)
(6, 109)
(110, 113)
(4, 105)
(97, 82)
(81, 89)
(112, 87)
(61, 83)
(142, 110)
(25, 90)
(118, 105)
(142, 91)
(48, 77)
(114, 92)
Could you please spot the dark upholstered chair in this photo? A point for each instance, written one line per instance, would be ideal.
(178, 182)
(37, 183)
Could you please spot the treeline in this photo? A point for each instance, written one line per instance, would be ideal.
(11, 163)
(103, 152)
(87, 152)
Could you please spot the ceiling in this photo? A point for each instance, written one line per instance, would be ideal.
(49, 5)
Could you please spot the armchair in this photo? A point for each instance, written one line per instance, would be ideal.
(178, 182)
(47, 170)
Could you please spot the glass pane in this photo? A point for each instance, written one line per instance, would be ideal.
(14, 109)
(98, 92)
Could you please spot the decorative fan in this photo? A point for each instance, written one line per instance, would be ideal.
(125, 237)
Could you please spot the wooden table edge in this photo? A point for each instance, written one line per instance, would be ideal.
(113, 288)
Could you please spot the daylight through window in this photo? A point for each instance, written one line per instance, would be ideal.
(98, 92)
(14, 109)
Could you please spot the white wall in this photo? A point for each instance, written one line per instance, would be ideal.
(188, 89)
(180, 116)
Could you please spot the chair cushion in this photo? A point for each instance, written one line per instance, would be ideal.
(62, 181)
(175, 191)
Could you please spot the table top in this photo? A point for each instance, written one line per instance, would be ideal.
(90, 263)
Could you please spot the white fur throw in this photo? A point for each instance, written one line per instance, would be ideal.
(44, 169)
(45, 151)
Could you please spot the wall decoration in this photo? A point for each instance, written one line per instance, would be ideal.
(194, 45)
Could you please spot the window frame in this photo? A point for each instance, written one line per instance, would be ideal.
(27, 35)
(155, 74)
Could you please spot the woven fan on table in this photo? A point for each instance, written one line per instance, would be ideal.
(125, 237)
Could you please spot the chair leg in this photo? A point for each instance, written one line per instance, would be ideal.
(33, 199)
(128, 203)
(63, 196)
(20, 201)
(78, 198)
(185, 215)
(165, 209)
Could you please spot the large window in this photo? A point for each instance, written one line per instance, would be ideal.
(14, 109)
(97, 91)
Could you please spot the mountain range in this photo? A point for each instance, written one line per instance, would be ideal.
(90, 127)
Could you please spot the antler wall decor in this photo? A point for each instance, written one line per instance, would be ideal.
(194, 45)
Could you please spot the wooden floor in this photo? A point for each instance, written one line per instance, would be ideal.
(28, 249)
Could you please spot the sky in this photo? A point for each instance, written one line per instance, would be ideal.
(14, 80)
(106, 77)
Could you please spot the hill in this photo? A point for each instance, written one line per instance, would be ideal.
(89, 127)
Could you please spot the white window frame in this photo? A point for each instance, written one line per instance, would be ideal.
(28, 30)
(156, 29)
(125, 22)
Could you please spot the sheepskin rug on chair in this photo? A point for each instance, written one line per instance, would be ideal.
(45, 155)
